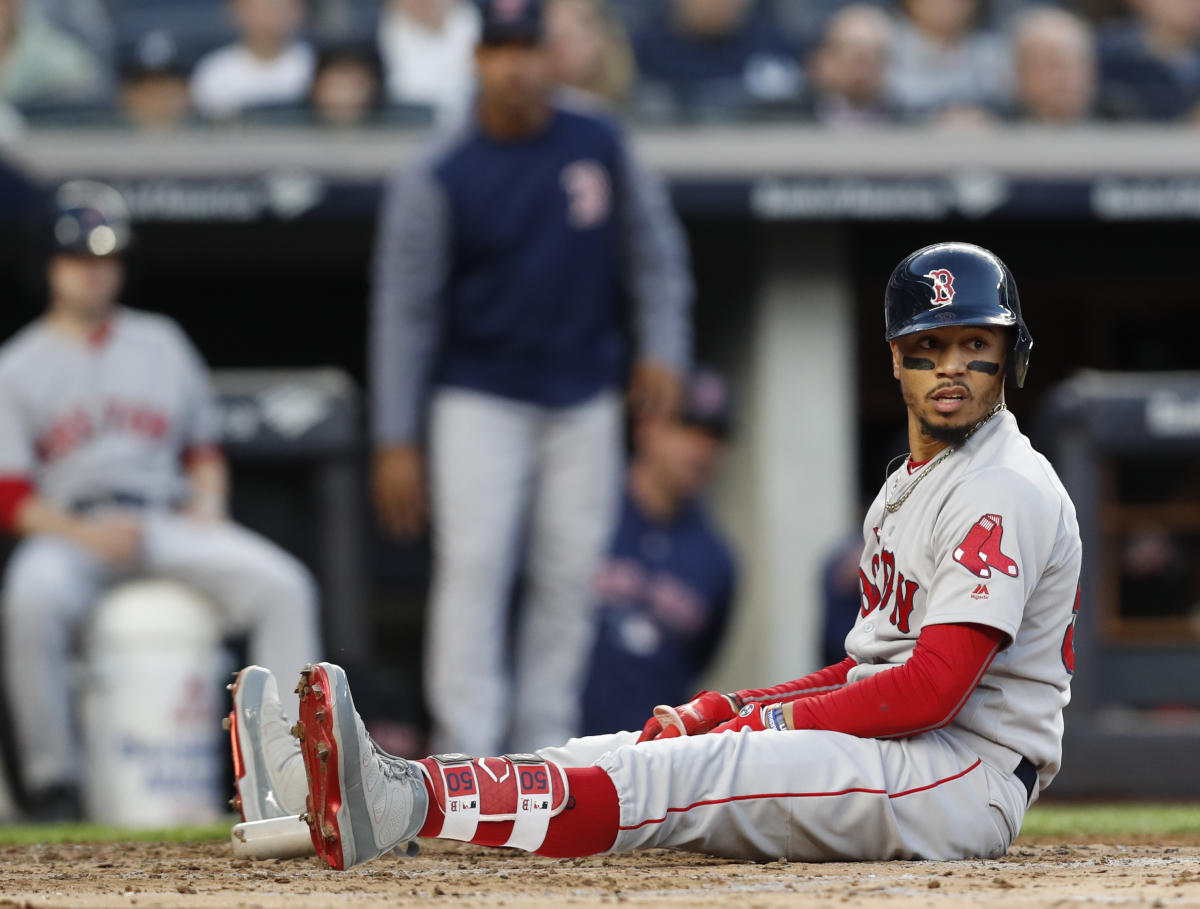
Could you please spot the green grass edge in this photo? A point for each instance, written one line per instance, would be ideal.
(1167, 819)
(1058, 820)
(33, 834)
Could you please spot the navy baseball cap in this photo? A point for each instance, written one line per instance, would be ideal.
(707, 403)
(511, 22)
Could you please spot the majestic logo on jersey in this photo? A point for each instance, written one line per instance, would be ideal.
(943, 286)
(979, 552)
(980, 592)
(589, 193)
(893, 588)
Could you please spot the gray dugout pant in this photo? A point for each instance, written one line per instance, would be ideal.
(505, 473)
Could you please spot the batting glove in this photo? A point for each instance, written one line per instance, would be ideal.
(756, 719)
(701, 714)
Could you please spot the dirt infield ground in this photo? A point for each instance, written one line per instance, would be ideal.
(1035, 873)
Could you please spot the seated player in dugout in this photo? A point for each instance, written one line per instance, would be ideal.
(928, 741)
(666, 585)
(110, 468)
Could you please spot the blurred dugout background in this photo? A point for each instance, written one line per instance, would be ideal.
(255, 231)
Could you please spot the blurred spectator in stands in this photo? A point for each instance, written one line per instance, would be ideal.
(1150, 66)
(715, 59)
(1055, 57)
(589, 50)
(267, 65)
(12, 124)
(44, 65)
(847, 73)
(347, 89)
(942, 64)
(87, 20)
(807, 22)
(666, 586)
(154, 83)
(428, 51)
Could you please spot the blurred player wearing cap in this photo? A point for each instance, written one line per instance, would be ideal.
(110, 468)
(505, 258)
(664, 589)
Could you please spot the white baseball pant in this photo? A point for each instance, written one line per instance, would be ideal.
(806, 795)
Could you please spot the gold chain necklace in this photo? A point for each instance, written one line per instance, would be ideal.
(893, 507)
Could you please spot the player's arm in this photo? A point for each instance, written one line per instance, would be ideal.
(411, 263)
(709, 709)
(208, 483)
(659, 280)
(924, 693)
(114, 537)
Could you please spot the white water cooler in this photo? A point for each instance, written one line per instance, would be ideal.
(150, 705)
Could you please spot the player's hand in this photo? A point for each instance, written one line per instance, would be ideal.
(115, 537)
(756, 718)
(654, 389)
(398, 488)
(704, 712)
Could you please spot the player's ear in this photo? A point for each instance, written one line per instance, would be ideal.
(895, 359)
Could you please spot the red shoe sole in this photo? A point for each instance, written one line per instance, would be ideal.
(320, 751)
(230, 724)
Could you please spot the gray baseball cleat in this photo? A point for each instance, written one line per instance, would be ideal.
(363, 802)
(267, 764)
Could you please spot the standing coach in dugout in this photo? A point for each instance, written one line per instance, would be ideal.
(504, 260)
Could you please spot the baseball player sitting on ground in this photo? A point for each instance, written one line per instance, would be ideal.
(928, 741)
(109, 468)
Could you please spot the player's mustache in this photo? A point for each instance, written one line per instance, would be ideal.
(966, 389)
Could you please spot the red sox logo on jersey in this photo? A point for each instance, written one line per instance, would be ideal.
(943, 286)
(979, 552)
(883, 570)
(589, 193)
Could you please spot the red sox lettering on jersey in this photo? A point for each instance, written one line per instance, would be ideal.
(76, 426)
(883, 569)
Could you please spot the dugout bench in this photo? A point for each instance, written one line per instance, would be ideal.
(1127, 447)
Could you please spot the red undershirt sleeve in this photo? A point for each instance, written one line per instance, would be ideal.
(920, 695)
(820, 682)
(14, 490)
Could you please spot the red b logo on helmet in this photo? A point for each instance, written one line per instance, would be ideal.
(943, 286)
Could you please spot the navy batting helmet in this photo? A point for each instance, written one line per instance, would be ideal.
(957, 284)
(89, 218)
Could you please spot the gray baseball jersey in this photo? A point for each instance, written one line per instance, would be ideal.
(988, 536)
(82, 419)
